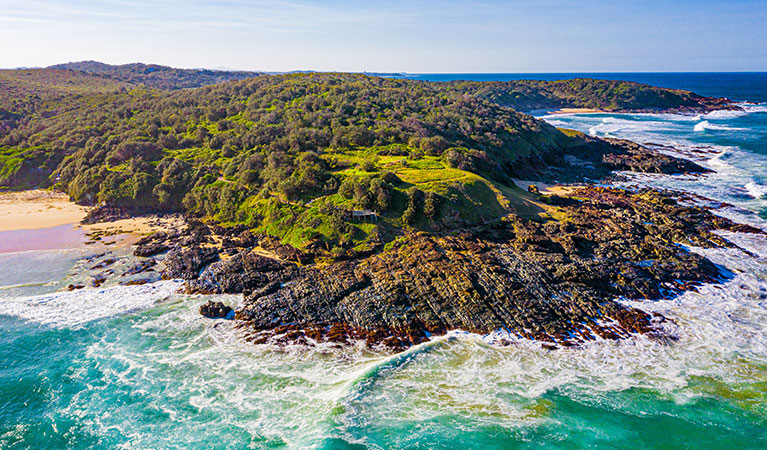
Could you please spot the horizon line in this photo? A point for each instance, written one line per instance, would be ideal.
(399, 72)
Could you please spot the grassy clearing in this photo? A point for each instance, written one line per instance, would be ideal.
(465, 199)
(472, 197)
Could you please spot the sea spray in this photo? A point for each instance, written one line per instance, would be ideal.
(73, 308)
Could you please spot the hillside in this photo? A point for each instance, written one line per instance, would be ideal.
(287, 154)
(608, 95)
(292, 155)
(156, 76)
(23, 91)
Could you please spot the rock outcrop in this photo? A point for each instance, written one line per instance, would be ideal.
(187, 262)
(557, 280)
(638, 158)
(553, 281)
(244, 272)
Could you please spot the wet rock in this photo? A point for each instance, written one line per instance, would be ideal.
(215, 310)
(105, 263)
(595, 158)
(95, 257)
(140, 267)
(243, 272)
(98, 280)
(73, 287)
(186, 262)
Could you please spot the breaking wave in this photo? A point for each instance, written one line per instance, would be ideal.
(706, 125)
(73, 308)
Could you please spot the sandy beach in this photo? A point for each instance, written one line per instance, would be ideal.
(31, 210)
(46, 220)
(576, 111)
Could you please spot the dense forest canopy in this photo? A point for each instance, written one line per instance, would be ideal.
(156, 76)
(292, 155)
(526, 95)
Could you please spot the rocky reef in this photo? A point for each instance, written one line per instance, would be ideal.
(638, 158)
(557, 279)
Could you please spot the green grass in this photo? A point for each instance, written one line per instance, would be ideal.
(298, 225)
(471, 197)
(194, 154)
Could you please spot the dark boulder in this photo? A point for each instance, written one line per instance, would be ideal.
(216, 310)
(187, 262)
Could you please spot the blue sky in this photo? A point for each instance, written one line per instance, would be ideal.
(412, 36)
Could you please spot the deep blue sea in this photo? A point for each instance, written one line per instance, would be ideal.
(738, 86)
(136, 367)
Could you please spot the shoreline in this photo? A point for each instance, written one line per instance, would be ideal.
(577, 111)
(581, 239)
(45, 220)
(513, 254)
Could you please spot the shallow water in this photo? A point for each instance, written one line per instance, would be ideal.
(138, 368)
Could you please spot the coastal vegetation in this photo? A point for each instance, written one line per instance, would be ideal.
(155, 75)
(607, 95)
(292, 155)
(346, 207)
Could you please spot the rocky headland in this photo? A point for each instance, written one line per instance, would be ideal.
(346, 206)
(557, 280)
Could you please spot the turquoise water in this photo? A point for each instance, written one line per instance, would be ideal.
(137, 368)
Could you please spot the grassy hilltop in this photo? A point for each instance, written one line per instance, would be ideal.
(291, 155)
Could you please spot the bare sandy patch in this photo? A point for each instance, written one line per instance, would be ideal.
(128, 231)
(31, 210)
(38, 219)
(547, 188)
(576, 111)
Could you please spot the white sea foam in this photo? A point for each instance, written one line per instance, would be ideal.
(702, 126)
(706, 125)
(615, 126)
(721, 330)
(753, 108)
(756, 190)
(73, 308)
(724, 114)
(174, 364)
(179, 364)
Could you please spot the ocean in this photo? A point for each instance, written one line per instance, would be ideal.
(136, 367)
